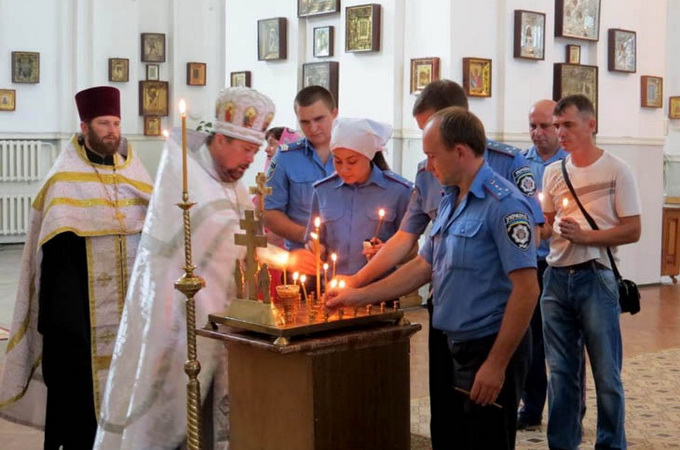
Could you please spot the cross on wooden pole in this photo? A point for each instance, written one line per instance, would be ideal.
(260, 191)
(251, 240)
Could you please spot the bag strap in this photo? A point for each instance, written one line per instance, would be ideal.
(588, 217)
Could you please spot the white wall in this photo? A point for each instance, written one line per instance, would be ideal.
(76, 38)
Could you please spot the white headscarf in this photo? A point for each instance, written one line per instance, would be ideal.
(364, 136)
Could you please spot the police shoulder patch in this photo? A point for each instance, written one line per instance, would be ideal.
(272, 168)
(292, 146)
(524, 180)
(518, 229)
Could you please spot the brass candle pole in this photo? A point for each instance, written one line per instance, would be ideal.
(189, 284)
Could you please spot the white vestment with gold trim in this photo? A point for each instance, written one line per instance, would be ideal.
(106, 205)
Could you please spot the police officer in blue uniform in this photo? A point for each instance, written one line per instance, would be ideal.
(504, 160)
(545, 151)
(349, 201)
(481, 258)
(297, 166)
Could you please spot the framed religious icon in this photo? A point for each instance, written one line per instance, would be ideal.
(25, 67)
(423, 71)
(240, 79)
(196, 73)
(529, 35)
(673, 107)
(651, 91)
(362, 28)
(323, 42)
(8, 99)
(323, 74)
(572, 79)
(307, 8)
(153, 47)
(152, 126)
(573, 54)
(272, 39)
(578, 19)
(153, 98)
(153, 72)
(477, 77)
(119, 70)
(622, 50)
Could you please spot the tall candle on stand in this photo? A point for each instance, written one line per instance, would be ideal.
(303, 280)
(325, 276)
(334, 258)
(317, 255)
(183, 115)
(295, 277)
(381, 216)
(284, 263)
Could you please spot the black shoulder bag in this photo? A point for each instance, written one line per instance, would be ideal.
(629, 296)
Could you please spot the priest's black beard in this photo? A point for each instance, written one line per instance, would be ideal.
(99, 146)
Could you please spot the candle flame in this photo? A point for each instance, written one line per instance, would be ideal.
(165, 133)
(296, 275)
(283, 259)
(565, 202)
(317, 222)
(342, 284)
(182, 107)
(541, 197)
(334, 257)
(325, 266)
(381, 213)
(303, 278)
(314, 236)
(334, 283)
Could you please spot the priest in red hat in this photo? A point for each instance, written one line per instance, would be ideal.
(86, 224)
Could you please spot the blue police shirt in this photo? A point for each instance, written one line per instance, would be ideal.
(294, 169)
(349, 214)
(504, 159)
(472, 249)
(538, 166)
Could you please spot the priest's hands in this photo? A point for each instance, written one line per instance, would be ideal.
(303, 261)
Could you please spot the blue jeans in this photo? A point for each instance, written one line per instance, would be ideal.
(582, 305)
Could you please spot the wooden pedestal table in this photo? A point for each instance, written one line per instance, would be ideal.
(347, 389)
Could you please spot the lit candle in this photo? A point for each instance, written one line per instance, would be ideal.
(295, 277)
(325, 275)
(165, 134)
(565, 202)
(317, 225)
(183, 115)
(381, 216)
(334, 283)
(317, 251)
(283, 259)
(303, 279)
(334, 258)
(541, 197)
(342, 284)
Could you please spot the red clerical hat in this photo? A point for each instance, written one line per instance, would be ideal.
(98, 101)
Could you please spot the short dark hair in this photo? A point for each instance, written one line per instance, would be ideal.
(276, 132)
(459, 126)
(312, 94)
(211, 137)
(438, 95)
(580, 101)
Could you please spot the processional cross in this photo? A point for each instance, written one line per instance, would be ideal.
(260, 191)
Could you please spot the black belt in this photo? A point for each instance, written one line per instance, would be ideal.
(588, 265)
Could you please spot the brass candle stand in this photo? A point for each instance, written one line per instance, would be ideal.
(189, 284)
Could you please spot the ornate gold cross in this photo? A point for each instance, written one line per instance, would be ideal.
(251, 240)
(261, 191)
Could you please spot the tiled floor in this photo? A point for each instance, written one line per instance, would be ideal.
(651, 366)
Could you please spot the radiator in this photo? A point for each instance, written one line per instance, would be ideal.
(15, 212)
(20, 160)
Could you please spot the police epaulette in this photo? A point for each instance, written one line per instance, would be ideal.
(331, 177)
(501, 148)
(297, 145)
(497, 188)
(398, 178)
(422, 165)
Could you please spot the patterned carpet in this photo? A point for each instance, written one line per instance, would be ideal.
(652, 384)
